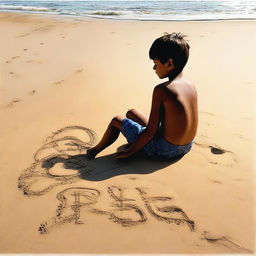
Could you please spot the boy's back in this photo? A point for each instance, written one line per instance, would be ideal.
(179, 112)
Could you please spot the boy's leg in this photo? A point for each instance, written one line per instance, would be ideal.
(110, 136)
(138, 117)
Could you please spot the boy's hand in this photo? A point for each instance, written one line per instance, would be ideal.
(122, 155)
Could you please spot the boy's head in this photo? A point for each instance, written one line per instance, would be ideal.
(171, 48)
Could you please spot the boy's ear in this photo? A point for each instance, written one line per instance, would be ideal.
(170, 64)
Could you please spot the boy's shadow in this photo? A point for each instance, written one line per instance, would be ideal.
(106, 167)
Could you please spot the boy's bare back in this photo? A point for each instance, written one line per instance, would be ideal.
(178, 113)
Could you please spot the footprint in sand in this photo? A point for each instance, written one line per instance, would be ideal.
(59, 82)
(63, 35)
(32, 92)
(12, 58)
(39, 29)
(224, 241)
(13, 74)
(79, 70)
(216, 181)
(12, 103)
(15, 57)
(216, 150)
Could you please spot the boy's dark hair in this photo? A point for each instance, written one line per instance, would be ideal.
(171, 46)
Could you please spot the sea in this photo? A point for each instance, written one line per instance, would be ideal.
(176, 10)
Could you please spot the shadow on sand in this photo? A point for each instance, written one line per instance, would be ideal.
(105, 167)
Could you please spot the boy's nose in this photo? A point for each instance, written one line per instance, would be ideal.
(154, 67)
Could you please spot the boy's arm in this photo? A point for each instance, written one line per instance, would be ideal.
(151, 128)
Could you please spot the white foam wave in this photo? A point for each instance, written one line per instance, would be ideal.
(180, 10)
(25, 8)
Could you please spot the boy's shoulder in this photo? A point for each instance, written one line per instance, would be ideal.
(175, 84)
(165, 91)
(177, 87)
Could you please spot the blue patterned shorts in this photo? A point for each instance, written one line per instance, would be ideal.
(157, 147)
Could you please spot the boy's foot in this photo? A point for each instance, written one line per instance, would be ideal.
(92, 152)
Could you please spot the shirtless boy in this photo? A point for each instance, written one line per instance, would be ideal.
(169, 130)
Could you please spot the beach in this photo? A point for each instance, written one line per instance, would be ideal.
(63, 79)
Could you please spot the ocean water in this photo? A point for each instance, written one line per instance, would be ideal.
(139, 10)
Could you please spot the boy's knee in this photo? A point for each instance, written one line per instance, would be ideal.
(131, 113)
(117, 119)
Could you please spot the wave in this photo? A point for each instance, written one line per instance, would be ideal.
(101, 13)
(26, 8)
(179, 10)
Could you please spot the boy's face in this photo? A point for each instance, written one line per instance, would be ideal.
(163, 70)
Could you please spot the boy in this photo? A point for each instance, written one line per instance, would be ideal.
(169, 130)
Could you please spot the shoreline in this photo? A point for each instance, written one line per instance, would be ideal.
(91, 17)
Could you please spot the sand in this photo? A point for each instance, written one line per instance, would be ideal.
(62, 80)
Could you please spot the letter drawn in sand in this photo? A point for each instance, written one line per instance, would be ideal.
(125, 212)
(73, 199)
(170, 214)
(38, 179)
(123, 207)
(71, 202)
